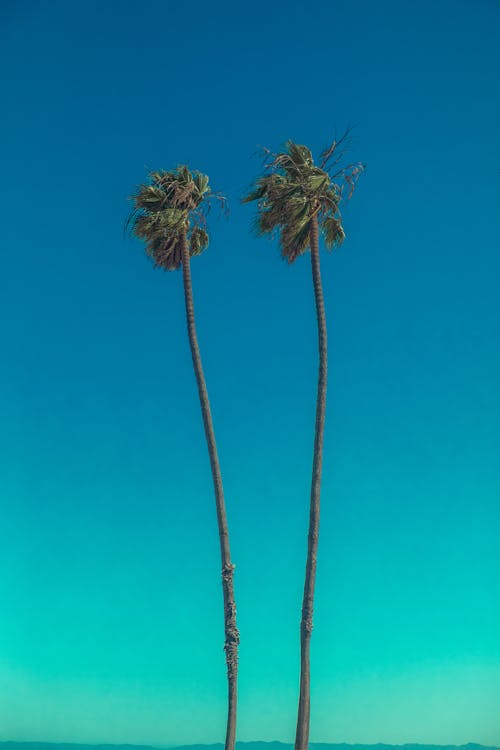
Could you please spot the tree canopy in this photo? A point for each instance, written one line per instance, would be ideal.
(169, 205)
(293, 190)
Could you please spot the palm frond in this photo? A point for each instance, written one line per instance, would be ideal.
(257, 192)
(295, 239)
(198, 240)
(332, 231)
(165, 254)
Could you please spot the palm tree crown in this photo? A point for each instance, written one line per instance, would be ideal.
(294, 190)
(171, 204)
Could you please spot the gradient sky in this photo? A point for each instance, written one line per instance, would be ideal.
(110, 602)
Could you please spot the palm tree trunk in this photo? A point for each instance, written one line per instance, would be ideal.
(230, 629)
(306, 625)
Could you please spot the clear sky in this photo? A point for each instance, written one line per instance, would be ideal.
(110, 602)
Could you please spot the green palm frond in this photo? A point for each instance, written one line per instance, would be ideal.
(292, 190)
(198, 241)
(295, 239)
(332, 232)
(201, 182)
(296, 156)
(170, 204)
(258, 191)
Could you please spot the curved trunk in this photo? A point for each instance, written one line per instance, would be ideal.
(230, 628)
(306, 625)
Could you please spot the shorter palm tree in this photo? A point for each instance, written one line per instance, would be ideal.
(170, 217)
(299, 201)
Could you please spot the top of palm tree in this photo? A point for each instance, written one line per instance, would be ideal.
(170, 204)
(293, 190)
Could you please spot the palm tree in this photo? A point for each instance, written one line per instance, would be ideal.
(170, 217)
(298, 201)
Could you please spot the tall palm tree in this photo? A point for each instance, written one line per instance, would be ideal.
(170, 217)
(298, 201)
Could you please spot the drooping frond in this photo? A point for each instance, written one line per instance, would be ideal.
(293, 190)
(295, 239)
(198, 240)
(332, 231)
(165, 253)
(170, 204)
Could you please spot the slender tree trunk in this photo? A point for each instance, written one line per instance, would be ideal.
(306, 625)
(230, 629)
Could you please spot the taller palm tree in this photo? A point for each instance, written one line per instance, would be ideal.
(170, 217)
(298, 201)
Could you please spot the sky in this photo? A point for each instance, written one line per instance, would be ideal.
(111, 623)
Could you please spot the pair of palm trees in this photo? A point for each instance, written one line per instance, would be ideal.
(300, 201)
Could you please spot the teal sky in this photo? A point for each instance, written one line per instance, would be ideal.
(110, 603)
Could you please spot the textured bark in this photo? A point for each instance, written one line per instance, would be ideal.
(230, 629)
(306, 625)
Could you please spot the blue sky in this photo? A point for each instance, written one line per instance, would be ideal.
(111, 624)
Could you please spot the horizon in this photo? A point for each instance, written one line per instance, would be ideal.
(112, 617)
(250, 742)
